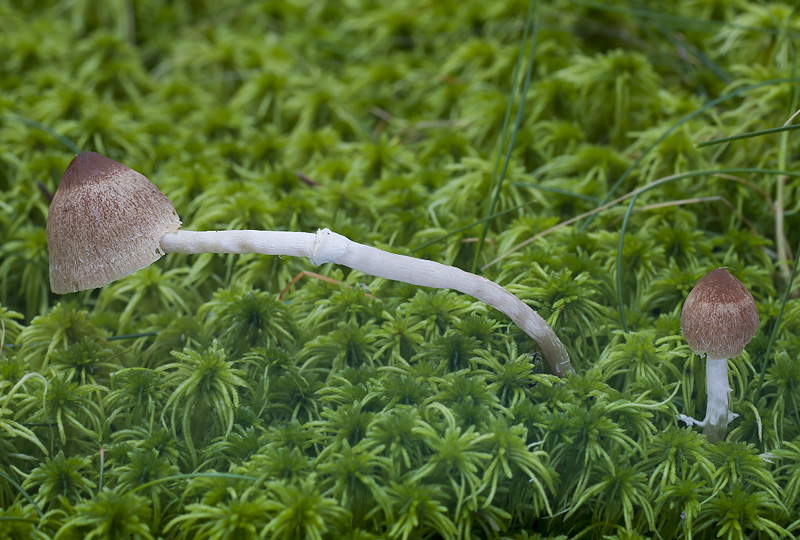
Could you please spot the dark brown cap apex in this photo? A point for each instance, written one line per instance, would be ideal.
(719, 316)
(106, 221)
(90, 168)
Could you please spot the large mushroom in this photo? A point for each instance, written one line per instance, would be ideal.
(107, 221)
(719, 319)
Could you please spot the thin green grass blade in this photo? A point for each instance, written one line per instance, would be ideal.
(774, 333)
(497, 182)
(132, 336)
(678, 124)
(782, 155)
(23, 493)
(680, 22)
(620, 300)
(193, 475)
(464, 228)
(102, 469)
(703, 58)
(549, 189)
(642, 189)
(748, 135)
(558, 191)
(50, 131)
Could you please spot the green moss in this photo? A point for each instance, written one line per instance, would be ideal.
(241, 402)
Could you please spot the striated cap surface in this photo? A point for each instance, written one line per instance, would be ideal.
(106, 221)
(719, 316)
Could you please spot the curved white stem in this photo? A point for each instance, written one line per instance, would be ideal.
(326, 246)
(718, 413)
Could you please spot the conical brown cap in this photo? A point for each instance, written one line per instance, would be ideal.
(106, 221)
(719, 316)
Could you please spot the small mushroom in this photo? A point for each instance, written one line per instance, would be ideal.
(107, 221)
(718, 319)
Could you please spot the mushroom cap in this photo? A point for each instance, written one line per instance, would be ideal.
(719, 316)
(106, 221)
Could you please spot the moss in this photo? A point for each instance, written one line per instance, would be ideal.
(242, 402)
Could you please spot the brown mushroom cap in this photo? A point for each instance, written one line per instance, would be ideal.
(719, 316)
(106, 221)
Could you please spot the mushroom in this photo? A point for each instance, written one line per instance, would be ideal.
(718, 319)
(107, 221)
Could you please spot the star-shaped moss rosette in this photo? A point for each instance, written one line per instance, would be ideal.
(107, 221)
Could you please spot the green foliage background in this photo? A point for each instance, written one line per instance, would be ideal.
(368, 409)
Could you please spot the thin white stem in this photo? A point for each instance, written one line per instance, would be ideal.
(718, 414)
(295, 244)
(326, 246)
(718, 392)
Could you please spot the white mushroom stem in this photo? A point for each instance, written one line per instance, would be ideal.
(718, 413)
(326, 246)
